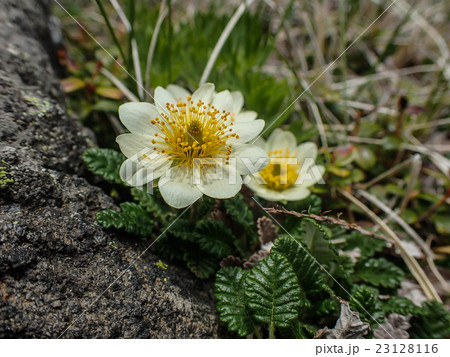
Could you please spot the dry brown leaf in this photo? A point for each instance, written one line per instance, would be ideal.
(349, 325)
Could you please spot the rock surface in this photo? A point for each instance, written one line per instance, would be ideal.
(55, 261)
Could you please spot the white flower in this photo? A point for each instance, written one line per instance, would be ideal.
(194, 144)
(291, 169)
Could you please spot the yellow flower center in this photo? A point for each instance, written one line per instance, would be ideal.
(194, 133)
(282, 171)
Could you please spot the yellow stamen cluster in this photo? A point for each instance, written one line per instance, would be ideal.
(281, 173)
(192, 131)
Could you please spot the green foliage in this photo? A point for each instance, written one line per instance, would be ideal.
(365, 300)
(149, 202)
(231, 300)
(303, 264)
(316, 239)
(200, 262)
(238, 210)
(182, 228)
(379, 272)
(327, 307)
(104, 162)
(132, 218)
(432, 321)
(206, 242)
(368, 245)
(400, 305)
(214, 237)
(296, 329)
(273, 292)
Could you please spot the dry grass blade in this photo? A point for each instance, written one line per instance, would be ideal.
(222, 39)
(413, 265)
(407, 228)
(151, 50)
(123, 88)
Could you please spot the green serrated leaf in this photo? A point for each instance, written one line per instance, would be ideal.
(132, 218)
(151, 205)
(304, 266)
(296, 329)
(379, 272)
(200, 263)
(205, 205)
(316, 239)
(182, 228)
(231, 300)
(327, 307)
(401, 306)
(104, 162)
(214, 237)
(368, 245)
(432, 321)
(365, 300)
(238, 210)
(273, 291)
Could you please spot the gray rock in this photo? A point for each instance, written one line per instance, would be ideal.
(55, 260)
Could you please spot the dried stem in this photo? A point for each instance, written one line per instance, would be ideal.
(122, 87)
(411, 232)
(151, 50)
(222, 39)
(412, 264)
(330, 220)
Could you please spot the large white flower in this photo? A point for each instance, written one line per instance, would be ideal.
(291, 170)
(194, 144)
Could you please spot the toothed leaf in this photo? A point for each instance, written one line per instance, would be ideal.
(104, 162)
(231, 300)
(273, 292)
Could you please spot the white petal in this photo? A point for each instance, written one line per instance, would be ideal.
(131, 144)
(223, 101)
(177, 187)
(137, 116)
(249, 158)
(220, 182)
(162, 97)
(260, 142)
(238, 101)
(305, 151)
(268, 195)
(139, 172)
(295, 193)
(310, 176)
(179, 93)
(247, 131)
(246, 116)
(280, 140)
(204, 93)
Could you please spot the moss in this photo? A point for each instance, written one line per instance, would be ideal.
(43, 106)
(4, 178)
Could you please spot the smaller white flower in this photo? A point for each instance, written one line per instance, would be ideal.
(191, 145)
(291, 168)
